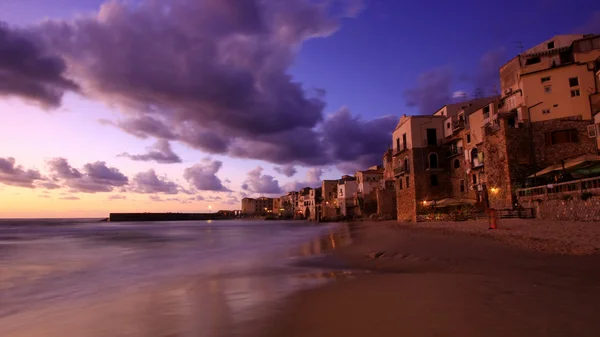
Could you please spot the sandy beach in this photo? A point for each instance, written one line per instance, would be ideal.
(440, 281)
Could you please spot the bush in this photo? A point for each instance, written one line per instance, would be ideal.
(586, 195)
(567, 197)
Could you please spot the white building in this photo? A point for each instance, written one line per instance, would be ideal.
(347, 192)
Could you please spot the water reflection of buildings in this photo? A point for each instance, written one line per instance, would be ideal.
(335, 239)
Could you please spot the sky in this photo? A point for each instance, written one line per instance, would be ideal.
(148, 105)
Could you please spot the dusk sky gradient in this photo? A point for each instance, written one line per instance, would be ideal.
(153, 109)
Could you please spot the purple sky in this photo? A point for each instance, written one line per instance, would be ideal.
(205, 102)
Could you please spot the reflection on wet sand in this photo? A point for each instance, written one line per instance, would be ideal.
(220, 303)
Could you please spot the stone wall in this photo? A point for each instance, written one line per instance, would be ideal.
(507, 155)
(569, 210)
(547, 155)
(386, 203)
(406, 206)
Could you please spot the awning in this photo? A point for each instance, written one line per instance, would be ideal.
(584, 160)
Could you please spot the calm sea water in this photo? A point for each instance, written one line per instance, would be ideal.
(71, 277)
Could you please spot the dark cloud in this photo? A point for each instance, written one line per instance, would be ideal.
(199, 198)
(232, 200)
(160, 152)
(256, 182)
(203, 176)
(487, 76)
(432, 91)
(28, 71)
(15, 175)
(117, 197)
(94, 177)
(286, 170)
(356, 142)
(223, 86)
(313, 179)
(148, 182)
(143, 127)
(48, 185)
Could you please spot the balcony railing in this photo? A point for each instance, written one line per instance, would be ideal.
(556, 191)
(399, 150)
(490, 128)
(401, 170)
(454, 151)
(457, 125)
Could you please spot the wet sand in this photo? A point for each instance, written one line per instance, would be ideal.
(445, 283)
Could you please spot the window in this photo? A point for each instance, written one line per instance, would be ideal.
(399, 183)
(431, 137)
(456, 164)
(468, 138)
(533, 60)
(486, 109)
(398, 144)
(406, 164)
(546, 79)
(575, 93)
(562, 137)
(448, 125)
(433, 160)
(474, 177)
(548, 89)
(573, 81)
(545, 111)
(434, 180)
(462, 186)
(404, 141)
(474, 157)
(551, 45)
(407, 182)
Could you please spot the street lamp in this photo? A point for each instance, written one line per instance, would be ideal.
(209, 208)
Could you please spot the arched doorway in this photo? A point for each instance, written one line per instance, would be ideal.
(307, 213)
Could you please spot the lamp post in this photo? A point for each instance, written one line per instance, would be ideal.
(209, 208)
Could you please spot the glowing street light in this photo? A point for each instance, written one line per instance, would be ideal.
(209, 208)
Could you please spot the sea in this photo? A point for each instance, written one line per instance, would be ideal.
(84, 277)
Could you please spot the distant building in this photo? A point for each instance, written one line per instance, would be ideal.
(257, 206)
(347, 195)
(329, 198)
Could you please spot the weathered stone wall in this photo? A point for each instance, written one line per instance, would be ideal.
(406, 206)
(507, 162)
(386, 203)
(547, 155)
(569, 210)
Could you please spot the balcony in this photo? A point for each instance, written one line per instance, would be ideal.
(491, 128)
(400, 171)
(475, 163)
(455, 151)
(398, 151)
(458, 125)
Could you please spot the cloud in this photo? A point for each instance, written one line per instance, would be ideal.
(199, 198)
(70, 198)
(117, 197)
(313, 176)
(591, 26)
(45, 196)
(256, 182)
(148, 182)
(94, 177)
(356, 143)
(487, 75)
(203, 176)
(225, 87)
(28, 71)
(432, 90)
(286, 170)
(155, 198)
(232, 200)
(15, 175)
(160, 152)
(143, 127)
(460, 94)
